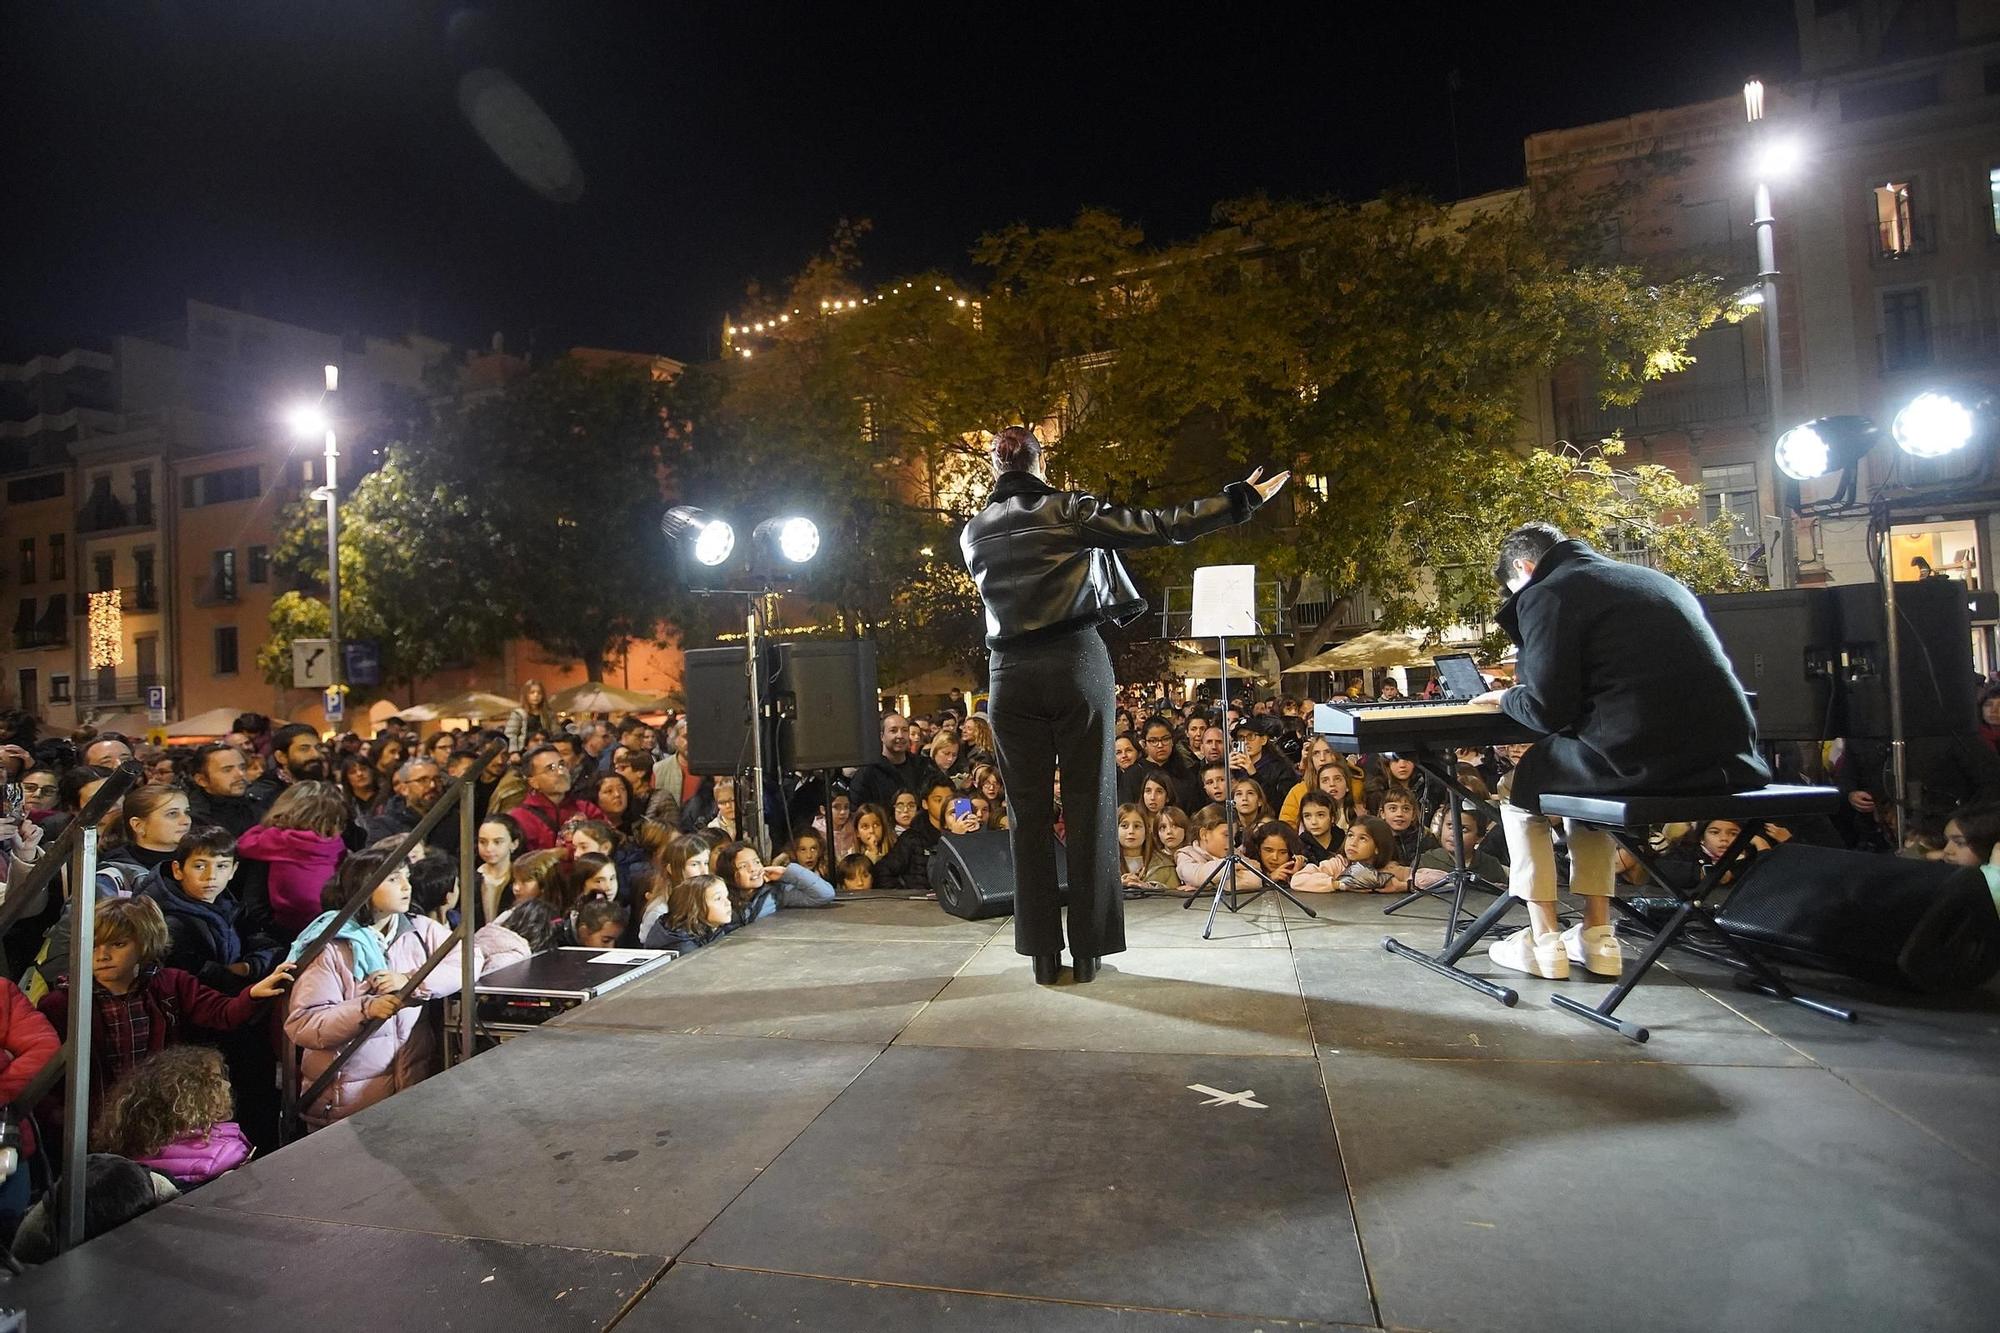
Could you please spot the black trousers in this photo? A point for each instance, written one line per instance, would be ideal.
(1053, 704)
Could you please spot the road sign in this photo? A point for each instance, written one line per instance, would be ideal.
(156, 736)
(156, 703)
(363, 658)
(312, 664)
(336, 705)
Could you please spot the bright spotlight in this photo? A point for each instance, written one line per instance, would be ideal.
(708, 539)
(1751, 297)
(1827, 444)
(1932, 425)
(307, 420)
(1778, 157)
(794, 539)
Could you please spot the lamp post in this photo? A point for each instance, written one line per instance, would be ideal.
(319, 418)
(1771, 158)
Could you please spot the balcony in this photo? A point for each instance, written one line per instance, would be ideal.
(107, 513)
(38, 637)
(1890, 241)
(1665, 407)
(99, 690)
(1921, 347)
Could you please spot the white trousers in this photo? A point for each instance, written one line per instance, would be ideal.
(1531, 855)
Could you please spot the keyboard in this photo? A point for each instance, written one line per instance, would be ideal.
(1412, 724)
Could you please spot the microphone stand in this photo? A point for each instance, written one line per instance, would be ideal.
(1224, 872)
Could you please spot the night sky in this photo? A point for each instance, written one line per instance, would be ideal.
(318, 160)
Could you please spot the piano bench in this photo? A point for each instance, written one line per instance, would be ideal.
(1762, 804)
(1626, 817)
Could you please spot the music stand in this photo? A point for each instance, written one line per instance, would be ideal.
(1225, 606)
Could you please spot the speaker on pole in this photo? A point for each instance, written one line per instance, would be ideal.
(824, 692)
(973, 874)
(716, 686)
(1934, 624)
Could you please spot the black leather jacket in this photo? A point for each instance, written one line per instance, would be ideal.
(1045, 559)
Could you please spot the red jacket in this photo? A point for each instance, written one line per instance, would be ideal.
(27, 1042)
(541, 820)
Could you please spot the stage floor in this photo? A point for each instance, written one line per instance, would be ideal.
(868, 1117)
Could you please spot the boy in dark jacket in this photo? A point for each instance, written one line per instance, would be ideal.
(203, 919)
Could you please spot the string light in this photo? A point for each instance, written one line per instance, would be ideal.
(107, 629)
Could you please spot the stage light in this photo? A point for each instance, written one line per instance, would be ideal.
(307, 420)
(793, 540)
(1932, 425)
(1828, 444)
(708, 539)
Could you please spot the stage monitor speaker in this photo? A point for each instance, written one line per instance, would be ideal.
(716, 687)
(826, 692)
(973, 874)
(1917, 925)
(1780, 645)
(1939, 682)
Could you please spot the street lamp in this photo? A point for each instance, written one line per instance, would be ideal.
(308, 420)
(1773, 157)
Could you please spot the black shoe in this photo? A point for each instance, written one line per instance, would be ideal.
(1048, 968)
(1084, 967)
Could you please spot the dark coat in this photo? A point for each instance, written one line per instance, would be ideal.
(232, 813)
(878, 781)
(1627, 683)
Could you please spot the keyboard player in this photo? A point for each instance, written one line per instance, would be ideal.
(1629, 689)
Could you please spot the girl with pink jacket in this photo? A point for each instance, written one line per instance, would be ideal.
(299, 839)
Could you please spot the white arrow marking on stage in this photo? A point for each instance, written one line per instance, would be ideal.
(1217, 1097)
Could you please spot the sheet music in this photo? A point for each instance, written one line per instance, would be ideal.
(1225, 602)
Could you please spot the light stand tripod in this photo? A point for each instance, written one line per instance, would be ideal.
(1225, 871)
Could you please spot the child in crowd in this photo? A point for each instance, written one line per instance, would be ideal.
(758, 890)
(683, 857)
(1279, 852)
(171, 1115)
(1156, 793)
(1342, 786)
(1432, 866)
(905, 811)
(300, 841)
(598, 922)
(1215, 782)
(1142, 865)
(1972, 838)
(1171, 828)
(499, 842)
(987, 782)
(537, 875)
(585, 876)
(1367, 861)
(141, 1007)
(1210, 843)
(201, 914)
(114, 1192)
(872, 837)
(434, 886)
(357, 977)
(1318, 754)
(843, 823)
(857, 873)
(1400, 810)
(1318, 833)
(27, 1044)
(807, 848)
(1253, 811)
(700, 911)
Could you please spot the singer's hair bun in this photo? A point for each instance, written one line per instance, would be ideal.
(1016, 448)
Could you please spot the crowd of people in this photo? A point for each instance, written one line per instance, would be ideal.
(218, 874)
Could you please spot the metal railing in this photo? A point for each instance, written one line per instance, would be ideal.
(1890, 240)
(1664, 405)
(457, 797)
(77, 846)
(95, 689)
(1921, 346)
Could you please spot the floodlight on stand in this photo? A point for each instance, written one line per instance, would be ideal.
(708, 539)
(1826, 444)
(792, 539)
(1933, 424)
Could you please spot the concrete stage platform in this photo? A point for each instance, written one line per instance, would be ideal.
(868, 1117)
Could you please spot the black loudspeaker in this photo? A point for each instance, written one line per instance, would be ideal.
(973, 874)
(825, 692)
(1917, 925)
(1939, 683)
(716, 686)
(1781, 647)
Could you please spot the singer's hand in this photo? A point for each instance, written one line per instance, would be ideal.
(1266, 489)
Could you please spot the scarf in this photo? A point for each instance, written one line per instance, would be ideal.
(216, 921)
(370, 955)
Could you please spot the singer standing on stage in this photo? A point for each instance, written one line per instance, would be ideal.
(1046, 565)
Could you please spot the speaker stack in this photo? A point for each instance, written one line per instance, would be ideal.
(820, 695)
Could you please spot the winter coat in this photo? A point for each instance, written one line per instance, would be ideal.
(797, 887)
(27, 1042)
(907, 866)
(325, 1014)
(1625, 681)
(879, 782)
(1193, 866)
(175, 1002)
(540, 819)
(1159, 872)
(197, 1158)
(231, 813)
(204, 938)
(301, 862)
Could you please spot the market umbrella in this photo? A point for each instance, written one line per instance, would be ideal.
(476, 706)
(938, 680)
(215, 722)
(594, 696)
(1200, 666)
(1377, 648)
